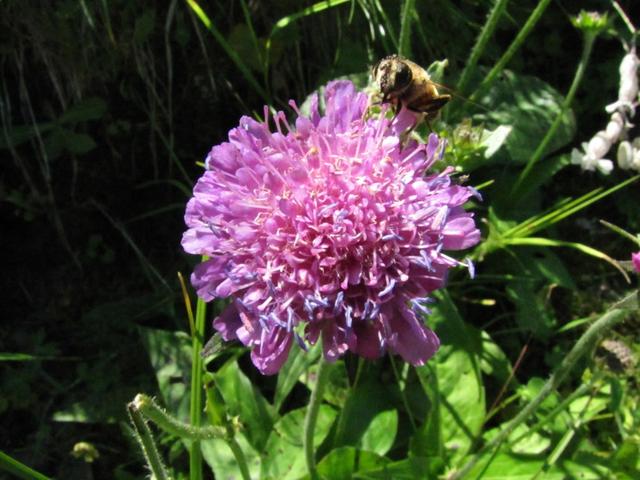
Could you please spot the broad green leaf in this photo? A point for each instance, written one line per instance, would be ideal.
(22, 133)
(381, 433)
(627, 457)
(240, 39)
(529, 105)
(220, 458)
(245, 400)
(453, 382)
(296, 365)
(144, 26)
(369, 397)
(342, 463)
(414, 468)
(514, 467)
(530, 444)
(170, 356)
(337, 389)
(493, 361)
(588, 406)
(532, 312)
(283, 457)
(78, 143)
(88, 109)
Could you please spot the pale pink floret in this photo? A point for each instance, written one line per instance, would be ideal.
(330, 229)
(635, 261)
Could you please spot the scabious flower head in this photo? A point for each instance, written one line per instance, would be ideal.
(635, 261)
(326, 229)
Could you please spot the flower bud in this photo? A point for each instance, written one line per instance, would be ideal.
(614, 127)
(625, 155)
(598, 146)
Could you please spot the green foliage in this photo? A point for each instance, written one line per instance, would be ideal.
(105, 108)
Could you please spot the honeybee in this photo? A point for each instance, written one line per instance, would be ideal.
(403, 82)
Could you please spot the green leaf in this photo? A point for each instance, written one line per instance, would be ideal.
(92, 108)
(367, 398)
(240, 39)
(453, 382)
(170, 356)
(414, 468)
(529, 106)
(283, 455)
(78, 143)
(144, 26)
(342, 463)
(530, 444)
(244, 400)
(514, 467)
(296, 365)
(493, 361)
(20, 134)
(532, 314)
(381, 433)
(223, 463)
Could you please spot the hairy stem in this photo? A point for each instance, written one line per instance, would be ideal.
(582, 346)
(478, 49)
(147, 443)
(151, 410)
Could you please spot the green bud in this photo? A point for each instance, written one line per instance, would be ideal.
(590, 22)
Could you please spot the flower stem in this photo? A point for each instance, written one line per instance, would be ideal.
(582, 346)
(195, 453)
(150, 409)
(513, 48)
(589, 38)
(486, 33)
(239, 456)
(312, 416)
(147, 444)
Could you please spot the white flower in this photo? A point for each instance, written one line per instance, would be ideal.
(629, 155)
(628, 90)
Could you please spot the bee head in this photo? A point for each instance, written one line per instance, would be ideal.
(392, 74)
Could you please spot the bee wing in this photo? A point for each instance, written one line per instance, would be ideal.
(454, 93)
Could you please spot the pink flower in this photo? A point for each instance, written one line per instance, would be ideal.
(635, 261)
(327, 229)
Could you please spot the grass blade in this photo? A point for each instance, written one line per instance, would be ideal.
(246, 72)
(18, 469)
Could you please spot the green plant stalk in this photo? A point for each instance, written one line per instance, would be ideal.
(578, 392)
(400, 380)
(589, 39)
(621, 232)
(406, 19)
(478, 49)
(19, 469)
(312, 417)
(239, 456)
(513, 48)
(195, 453)
(151, 410)
(582, 346)
(246, 72)
(147, 444)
